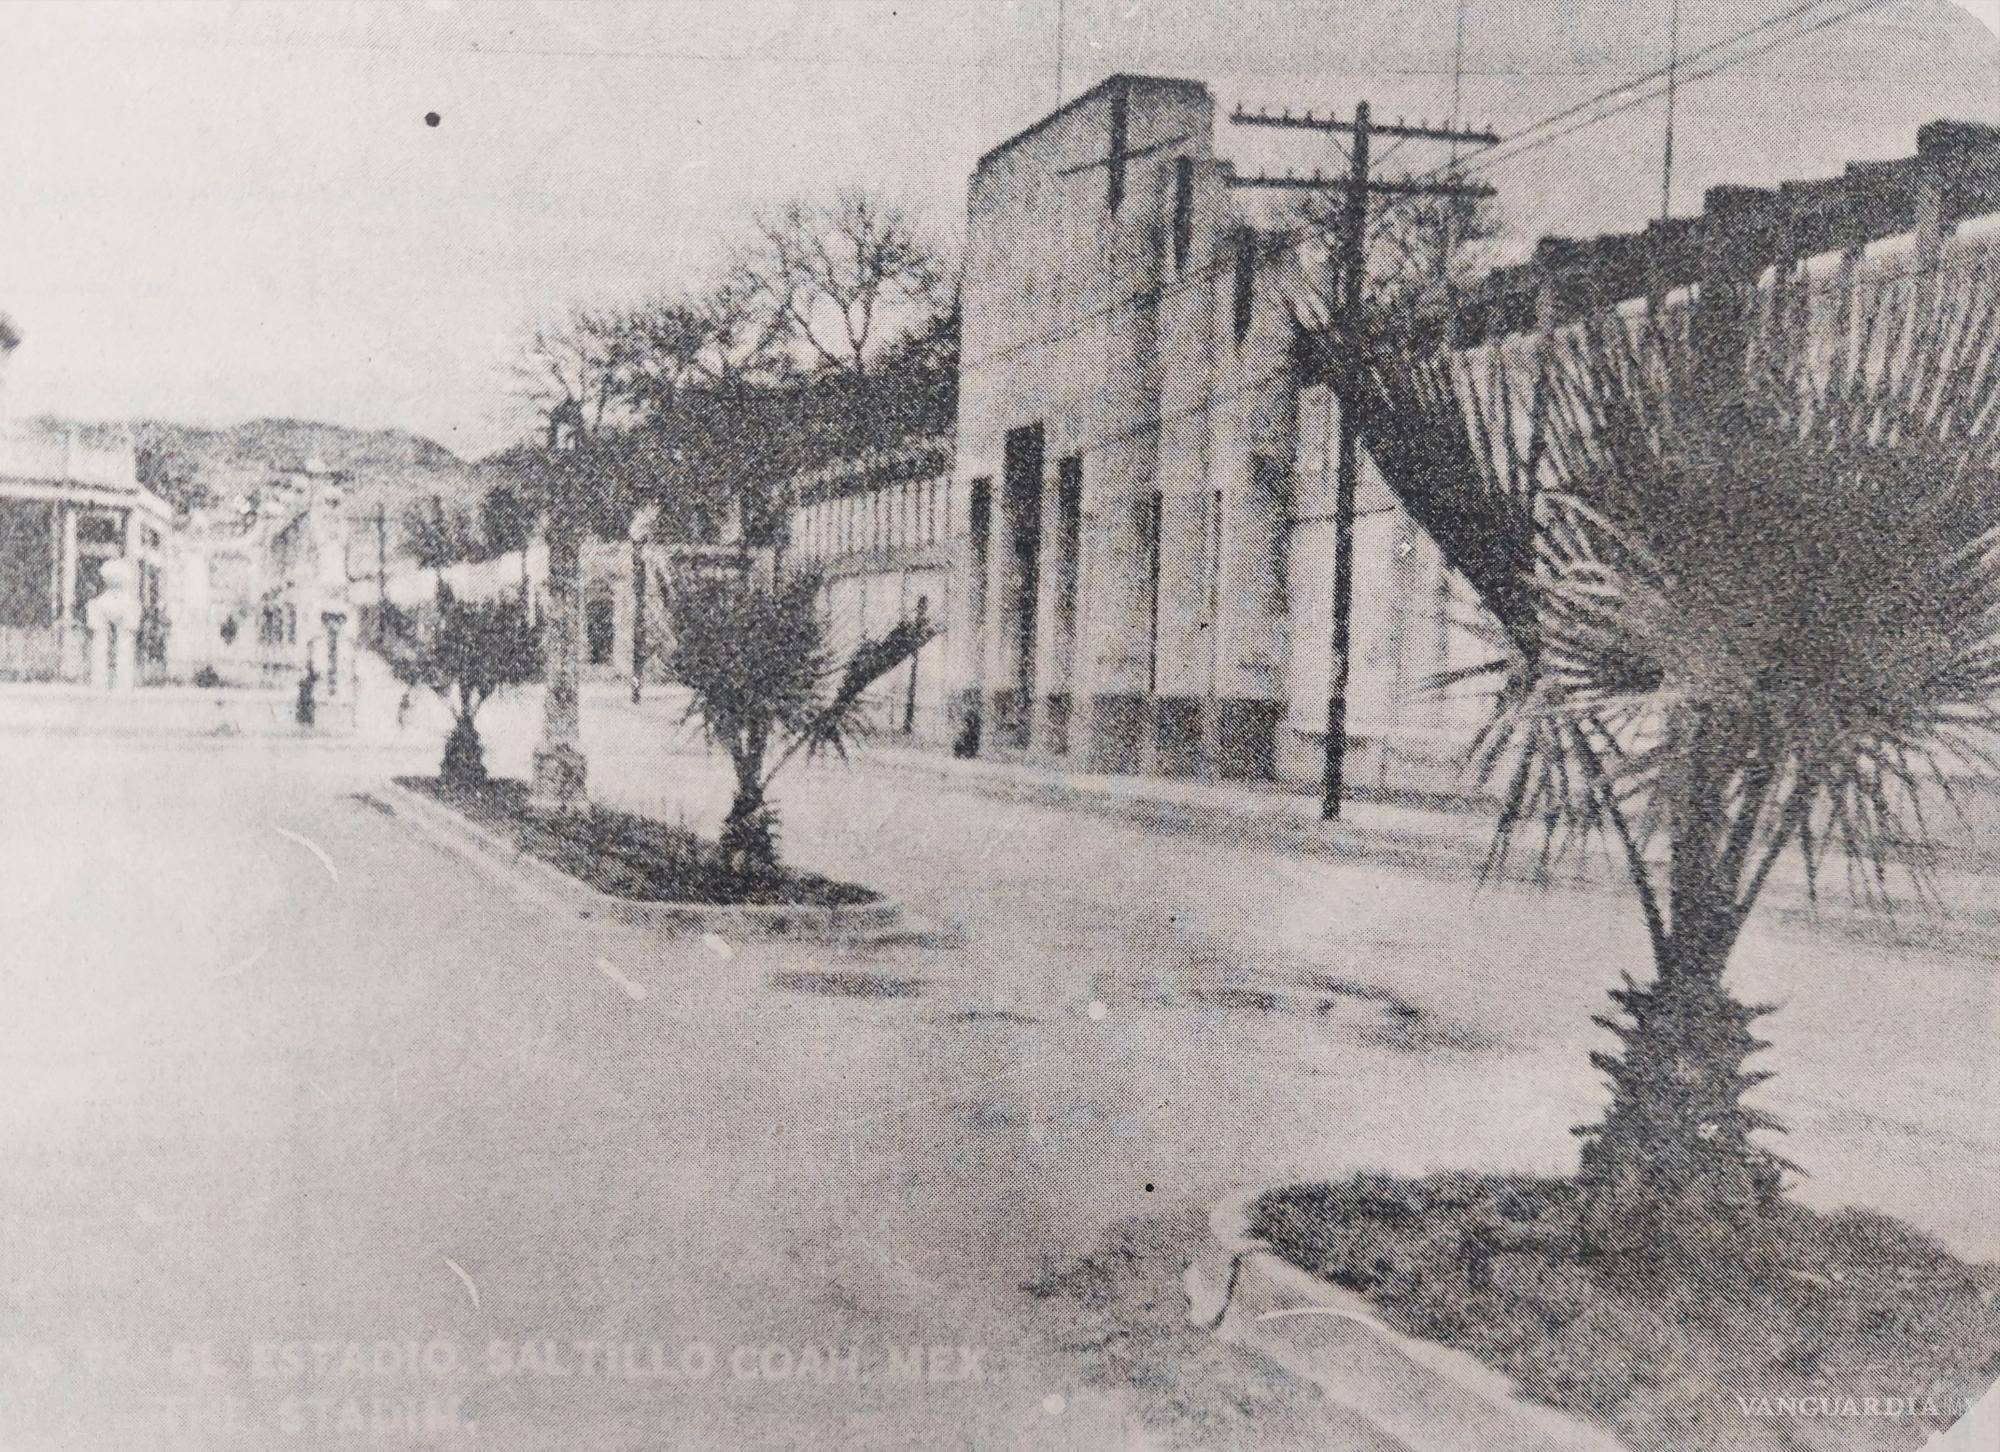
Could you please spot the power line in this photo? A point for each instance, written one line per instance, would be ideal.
(1792, 12)
(1667, 151)
(1502, 154)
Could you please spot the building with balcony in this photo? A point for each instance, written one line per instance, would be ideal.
(72, 512)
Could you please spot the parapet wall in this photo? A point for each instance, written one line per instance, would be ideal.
(1742, 231)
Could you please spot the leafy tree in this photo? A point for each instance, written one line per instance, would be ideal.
(766, 686)
(438, 536)
(465, 651)
(1749, 584)
(163, 464)
(506, 522)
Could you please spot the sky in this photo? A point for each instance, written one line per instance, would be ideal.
(218, 210)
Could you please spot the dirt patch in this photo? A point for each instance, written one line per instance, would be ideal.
(1406, 1026)
(1370, 1013)
(634, 857)
(848, 985)
(1716, 1349)
(975, 1016)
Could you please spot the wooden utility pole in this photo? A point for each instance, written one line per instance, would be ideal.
(1360, 187)
(381, 572)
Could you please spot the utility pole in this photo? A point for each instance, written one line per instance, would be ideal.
(381, 572)
(1360, 188)
(1673, 86)
(1062, 25)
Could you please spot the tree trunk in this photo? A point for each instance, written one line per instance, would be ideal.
(749, 833)
(464, 757)
(1672, 1159)
(559, 763)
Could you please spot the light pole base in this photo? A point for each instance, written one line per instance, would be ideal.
(560, 780)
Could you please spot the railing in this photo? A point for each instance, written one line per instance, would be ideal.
(30, 653)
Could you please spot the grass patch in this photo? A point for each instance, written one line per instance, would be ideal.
(1713, 1350)
(634, 857)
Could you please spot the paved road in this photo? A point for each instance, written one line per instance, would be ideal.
(313, 1135)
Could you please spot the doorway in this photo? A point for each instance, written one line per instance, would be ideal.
(1023, 483)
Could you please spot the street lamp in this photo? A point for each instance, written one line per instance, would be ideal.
(560, 783)
(640, 531)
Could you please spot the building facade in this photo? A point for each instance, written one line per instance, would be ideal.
(259, 591)
(1130, 538)
(82, 553)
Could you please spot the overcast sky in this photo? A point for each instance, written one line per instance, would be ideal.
(215, 211)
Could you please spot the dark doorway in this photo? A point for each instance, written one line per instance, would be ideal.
(1068, 549)
(599, 628)
(979, 521)
(1024, 543)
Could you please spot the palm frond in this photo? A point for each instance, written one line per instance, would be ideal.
(1748, 600)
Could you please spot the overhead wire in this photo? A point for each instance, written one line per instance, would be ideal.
(1522, 142)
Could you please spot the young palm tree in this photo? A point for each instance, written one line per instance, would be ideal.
(1747, 578)
(469, 651)
(765, 683)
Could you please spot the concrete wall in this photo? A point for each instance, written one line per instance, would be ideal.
(1111, 331)
(886, 533)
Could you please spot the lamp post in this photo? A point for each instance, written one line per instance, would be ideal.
(639, 533)
(560, 783)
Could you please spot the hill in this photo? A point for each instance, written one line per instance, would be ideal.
(385, 468)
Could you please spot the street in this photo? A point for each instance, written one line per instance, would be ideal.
(317, 1135)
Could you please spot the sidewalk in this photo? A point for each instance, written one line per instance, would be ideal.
(161, 712)
(1436, 840)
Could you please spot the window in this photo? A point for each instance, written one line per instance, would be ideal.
(1149, 540)
(1069, 539)
(1246, 280)
(1271, 482)
(1120, 139)
(1183, 212)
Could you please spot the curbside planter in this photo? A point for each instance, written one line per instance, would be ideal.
(1422, 1396)
(857, 922)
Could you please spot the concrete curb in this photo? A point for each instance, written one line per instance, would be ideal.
(1422, 1396)
(861, 922)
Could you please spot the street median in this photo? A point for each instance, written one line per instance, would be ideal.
(867, 918)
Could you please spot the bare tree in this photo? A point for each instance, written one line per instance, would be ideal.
(837, 279)
(574, 375)
(1424, 255)
(720, 337)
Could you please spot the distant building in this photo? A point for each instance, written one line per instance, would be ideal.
(260, 587)
(70, 507)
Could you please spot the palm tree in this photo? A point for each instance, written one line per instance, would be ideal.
(767, 685)
(466, 653)
(1746, 581)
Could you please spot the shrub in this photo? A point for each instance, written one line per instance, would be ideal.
(763, 676)
(466, 652)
